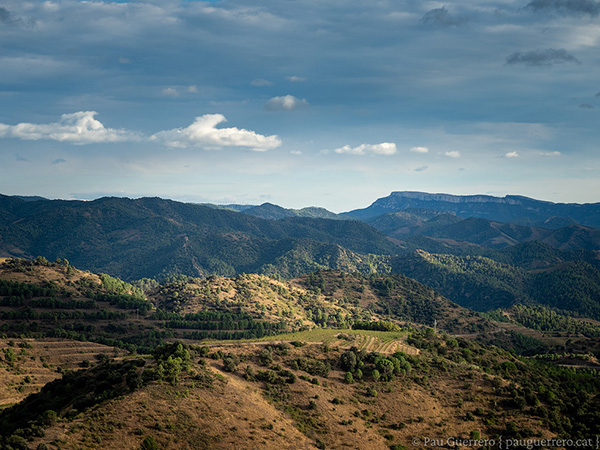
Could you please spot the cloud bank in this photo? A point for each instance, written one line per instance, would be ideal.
(82, 128)
(385, 148)
(547, 57)
(565, 7)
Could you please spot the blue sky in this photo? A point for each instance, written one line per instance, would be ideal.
(299, 102)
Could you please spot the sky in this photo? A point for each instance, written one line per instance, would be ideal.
(300, 102)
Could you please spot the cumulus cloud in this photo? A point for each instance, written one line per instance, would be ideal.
(512, 155)
(204, 133)
(295, 79)
(441, 17)
(385, 148)
(546, 57)
(452, 154)
(419, 150)
(77, 128)
(549, 154)
(59, 161)
(285, 103)
(565, 7)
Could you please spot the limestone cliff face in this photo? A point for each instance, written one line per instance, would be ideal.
(448, 198)
(510, 209)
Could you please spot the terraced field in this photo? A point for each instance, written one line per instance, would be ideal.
(371, 341)
(26, 365)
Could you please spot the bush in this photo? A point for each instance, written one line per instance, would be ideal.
(348, 378)
(229, 364)
(149, 444)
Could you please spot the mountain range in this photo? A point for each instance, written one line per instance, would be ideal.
(264, 327)
(157, 238)
(509, 209)
(151, 237)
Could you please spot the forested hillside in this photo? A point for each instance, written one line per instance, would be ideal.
(484, 284)
(151, 237)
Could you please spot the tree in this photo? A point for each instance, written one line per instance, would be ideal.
(348, 361)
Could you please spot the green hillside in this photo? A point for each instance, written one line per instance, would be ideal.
(221, 362)
(151, 237)
(484, 284)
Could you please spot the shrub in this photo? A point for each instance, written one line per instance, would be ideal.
(149, 444)
(348, 378)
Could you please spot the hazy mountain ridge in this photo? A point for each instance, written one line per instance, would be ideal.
(275, 212)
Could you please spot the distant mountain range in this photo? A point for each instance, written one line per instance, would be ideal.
(480, 263)
(453, 230)
(510, 209)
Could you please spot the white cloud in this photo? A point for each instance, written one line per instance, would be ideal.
(452, 154)
(385, 148)
(77, 128)
(170, 92)
(192, 89)
(419, 149)
(285, 103)
(204, 133)
(295, 79)
(512, 155)
(549, 154)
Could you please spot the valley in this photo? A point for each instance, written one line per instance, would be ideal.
(197, 326)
